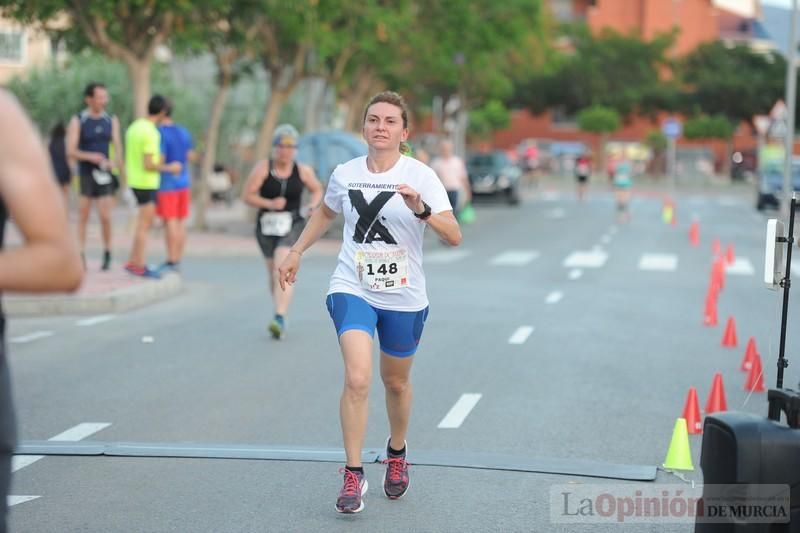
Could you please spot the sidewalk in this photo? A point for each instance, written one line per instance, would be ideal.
(230, 234)
(116, 290)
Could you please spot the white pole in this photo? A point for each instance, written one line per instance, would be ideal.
(791, 89)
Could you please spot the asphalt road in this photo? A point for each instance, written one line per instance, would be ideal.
(548, 311)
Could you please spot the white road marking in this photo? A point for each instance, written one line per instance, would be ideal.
(521, 335)
(554, 297)
(91, 321)
(14, 500)
(455, 417)
(658, 262)
(514, 258)
(582, 259)
(575, 273)
(36, 335)
(556, 213)
(74, 434)
(741, 267)
(446, 256)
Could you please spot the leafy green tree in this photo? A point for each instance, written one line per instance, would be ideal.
(708, 127)
(617, 71)
(129, 31)
(485, 120)
(657, 142)
(712, 127)
(735, 82)
(225, 30)
(53, 93)
(602, 121)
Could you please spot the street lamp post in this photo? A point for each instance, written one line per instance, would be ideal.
(791, 89)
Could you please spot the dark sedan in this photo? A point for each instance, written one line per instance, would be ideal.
(493, 173)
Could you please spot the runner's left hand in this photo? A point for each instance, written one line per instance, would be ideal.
(411, 197)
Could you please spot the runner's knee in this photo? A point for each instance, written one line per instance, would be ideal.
(356, 383)
(396, 384)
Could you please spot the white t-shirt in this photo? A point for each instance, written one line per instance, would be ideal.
(379, 225)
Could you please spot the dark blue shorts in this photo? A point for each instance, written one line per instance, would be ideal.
(399, 332)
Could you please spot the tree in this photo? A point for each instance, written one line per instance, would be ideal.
(285, 37)
(129, 31)
(225, 30)
(602, 121)
(473, 51)
(616, 71)
(712, 127)
(485, 120)
(736, 82)
(658, 143)
(53, 93)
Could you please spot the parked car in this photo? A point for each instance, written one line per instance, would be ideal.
(770, 185)
(324, 150)
(494, 173)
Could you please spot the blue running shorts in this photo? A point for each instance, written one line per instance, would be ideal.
(399, 332)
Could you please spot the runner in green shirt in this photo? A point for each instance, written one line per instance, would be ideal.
(143, 163)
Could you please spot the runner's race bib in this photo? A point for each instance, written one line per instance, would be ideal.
(101, 177)
(382, 270)
(276, 224)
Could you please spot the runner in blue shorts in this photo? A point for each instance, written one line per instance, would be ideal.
(387, 199)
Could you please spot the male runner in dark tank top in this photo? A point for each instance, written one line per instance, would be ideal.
(89, 136)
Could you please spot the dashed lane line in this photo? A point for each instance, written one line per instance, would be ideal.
(520, 335)
(554, 297)
(35, 336)
(74, 434)
(459, 412)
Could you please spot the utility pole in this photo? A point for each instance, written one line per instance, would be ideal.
(791, 90)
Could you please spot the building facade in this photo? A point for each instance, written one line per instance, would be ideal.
(698, 22)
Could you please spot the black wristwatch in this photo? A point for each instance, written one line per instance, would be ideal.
(426, 213)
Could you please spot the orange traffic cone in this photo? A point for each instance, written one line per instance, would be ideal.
(755, 379)
(729, 338)
(716, 400)
(715, 247)
(694, 234)
(691, 413)
(729, 255)
(749, 354)
(710, 315)
(718, 272)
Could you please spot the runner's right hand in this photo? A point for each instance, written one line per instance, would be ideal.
(287, 272)
(278, 203)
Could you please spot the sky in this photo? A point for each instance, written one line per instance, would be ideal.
(780, 3)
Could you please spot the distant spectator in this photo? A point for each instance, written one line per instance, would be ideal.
(58, 158)
(90, 134)
(422, 155)
(174, 192)
(144, 164)
(220, 184)
(583, 169)
(453, 173)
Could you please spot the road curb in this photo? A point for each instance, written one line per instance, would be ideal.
(118, 300)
